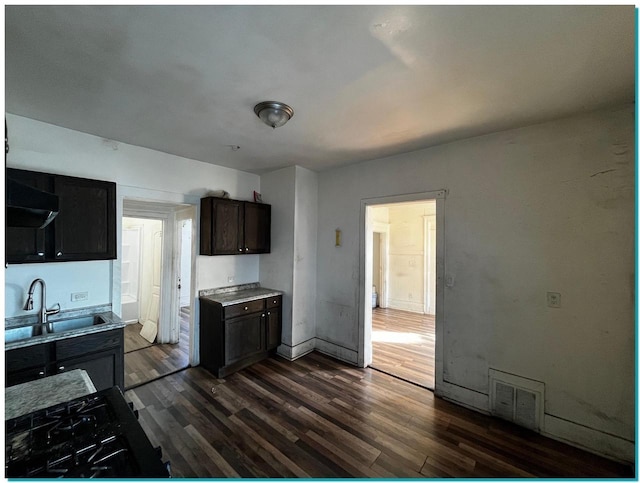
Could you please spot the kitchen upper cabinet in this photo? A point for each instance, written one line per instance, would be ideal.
(221, 226)
(231, 227)
(26, 244)
(85, 228)
(257, 228)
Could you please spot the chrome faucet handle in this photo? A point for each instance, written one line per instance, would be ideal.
(54, 310)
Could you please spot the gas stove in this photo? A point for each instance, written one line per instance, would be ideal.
(94, 436)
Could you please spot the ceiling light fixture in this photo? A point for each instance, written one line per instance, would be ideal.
(274, 114)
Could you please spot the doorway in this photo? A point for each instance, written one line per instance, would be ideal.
(157, 259)
(401, 258)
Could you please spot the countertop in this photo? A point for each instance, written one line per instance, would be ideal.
(42, 393)
(112, 321)
(238, 294)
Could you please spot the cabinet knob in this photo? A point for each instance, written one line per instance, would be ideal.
(41, 254)
(246, 308)
(246, 249)
(275, 301)
(61, 368)
(239, 249)
(268, 313)
(262, 315)
(59, 254)
(41, 373)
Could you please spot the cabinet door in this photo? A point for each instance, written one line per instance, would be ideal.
(244, 336)
(85, 228)
(100, 354)
(227, 227)
(257, 228)
(26, 244)
(103, 368)
(274, 328)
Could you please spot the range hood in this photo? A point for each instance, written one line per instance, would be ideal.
(29, 207)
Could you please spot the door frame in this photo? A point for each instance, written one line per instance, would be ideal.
(365, 351)
(166, 212)
(383, 230)
(185, 213)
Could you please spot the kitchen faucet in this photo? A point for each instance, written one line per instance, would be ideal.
(44, 313)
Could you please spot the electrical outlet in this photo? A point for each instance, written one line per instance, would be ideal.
(79, 296)
(553, 300)
(231, 279)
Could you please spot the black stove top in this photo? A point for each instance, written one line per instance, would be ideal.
(92, 436)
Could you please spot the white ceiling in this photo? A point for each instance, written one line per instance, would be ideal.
(365, 81)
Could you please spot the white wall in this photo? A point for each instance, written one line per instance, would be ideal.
(291, 265)
(544, 208)
(304, 256)
(276, 268)
(139, 173)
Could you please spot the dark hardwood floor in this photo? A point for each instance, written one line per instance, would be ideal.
(133, 341)
(404, 345)
(318, 417)
(156, 360)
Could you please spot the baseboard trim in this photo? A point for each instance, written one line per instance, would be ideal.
(343, 354)
(463, 396)
(589, 439)
(291, 353)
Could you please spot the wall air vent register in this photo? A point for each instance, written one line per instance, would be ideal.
(516, 399)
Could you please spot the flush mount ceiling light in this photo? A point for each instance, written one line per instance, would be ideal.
(274, 114)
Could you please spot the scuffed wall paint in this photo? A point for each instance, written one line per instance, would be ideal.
(543, 208)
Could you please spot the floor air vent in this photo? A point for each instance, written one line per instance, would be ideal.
(516, 399)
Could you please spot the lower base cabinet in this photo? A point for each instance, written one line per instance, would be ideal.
(101, 354)
(235, 336)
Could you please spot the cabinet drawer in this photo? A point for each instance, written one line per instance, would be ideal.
(244, 308)
(78, 346)
(274, 301)
(27, 357)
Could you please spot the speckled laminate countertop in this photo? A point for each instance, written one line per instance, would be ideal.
(238, 294)
(111, 321)
(42, 393)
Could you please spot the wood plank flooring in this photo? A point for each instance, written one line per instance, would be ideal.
(133, 341)
(404, 345)
(157, 360)
(318, 417)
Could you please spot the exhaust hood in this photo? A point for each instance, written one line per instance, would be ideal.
(29, 207)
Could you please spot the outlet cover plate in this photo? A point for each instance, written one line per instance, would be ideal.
(79, 296)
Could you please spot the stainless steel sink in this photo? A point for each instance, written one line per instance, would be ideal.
(18, 333)
(77, 323)
(14, 334)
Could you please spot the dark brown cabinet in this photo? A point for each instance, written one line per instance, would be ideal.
(85, 228)
(235, 336)
(232, 227)
(27, 244)
(100, 354)
(274, 322)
